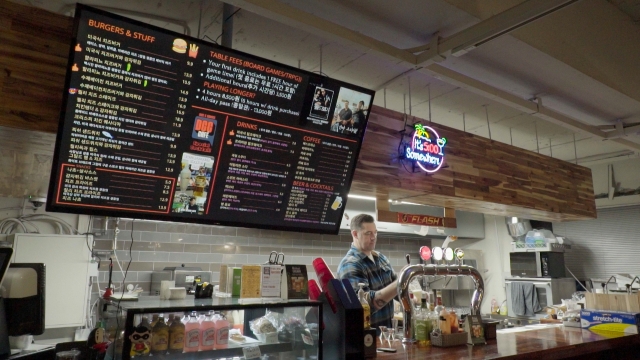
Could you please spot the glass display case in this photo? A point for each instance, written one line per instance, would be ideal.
(217, 328)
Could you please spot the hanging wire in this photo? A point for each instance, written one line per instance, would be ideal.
(486, 111)
(535, 125)
(320, 58)
(200, 18)
(511, 135)
(429, 91)
(550, 148)
(464, 123)
(384, 97)
(575, 148)
(409, 86)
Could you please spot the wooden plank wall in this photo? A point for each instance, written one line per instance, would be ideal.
(479, 175)
(33, 56)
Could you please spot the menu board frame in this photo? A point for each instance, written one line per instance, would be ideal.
(306, 107)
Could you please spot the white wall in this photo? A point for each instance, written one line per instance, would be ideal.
(12, 208)
(495, 258)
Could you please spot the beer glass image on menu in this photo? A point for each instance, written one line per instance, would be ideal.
(193, 184)
(337, 203)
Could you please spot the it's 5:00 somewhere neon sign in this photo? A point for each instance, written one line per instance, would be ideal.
(426, 148)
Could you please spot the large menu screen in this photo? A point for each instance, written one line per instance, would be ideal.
(163, 126)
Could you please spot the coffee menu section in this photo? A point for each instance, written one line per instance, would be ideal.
(163, 126)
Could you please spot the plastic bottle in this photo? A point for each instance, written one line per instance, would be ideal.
(222, 331)
(176, 336)
(365, 306)
(445, 322)
(192, 334)
(160, 337)
(207, 327)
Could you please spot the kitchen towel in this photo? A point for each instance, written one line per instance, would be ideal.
(524, 299)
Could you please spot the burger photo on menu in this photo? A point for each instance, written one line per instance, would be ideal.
(350, 112)
(320, 106)
(193, 184)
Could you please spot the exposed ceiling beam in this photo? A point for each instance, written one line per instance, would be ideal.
(283, 13)
(489, 29)
(620, 131)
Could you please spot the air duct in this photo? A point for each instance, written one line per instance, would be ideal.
(518, 228)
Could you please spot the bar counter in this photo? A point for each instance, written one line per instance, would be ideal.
(548, 343)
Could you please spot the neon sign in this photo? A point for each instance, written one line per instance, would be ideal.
(426, 148)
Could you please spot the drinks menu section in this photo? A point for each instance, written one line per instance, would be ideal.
(160, 125)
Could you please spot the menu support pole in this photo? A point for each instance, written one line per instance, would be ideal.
(227, 24)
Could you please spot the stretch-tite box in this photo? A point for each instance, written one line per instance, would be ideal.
(617, 321)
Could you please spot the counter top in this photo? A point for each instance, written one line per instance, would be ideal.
(548, 343)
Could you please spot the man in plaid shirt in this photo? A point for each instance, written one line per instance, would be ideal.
(363, 264)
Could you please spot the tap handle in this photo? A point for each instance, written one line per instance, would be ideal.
(408, 257)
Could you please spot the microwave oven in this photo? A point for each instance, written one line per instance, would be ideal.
(548, 291)
(547, 264)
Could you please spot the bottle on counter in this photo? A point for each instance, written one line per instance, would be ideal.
(160, 337)
(422, 324)
(192, 334)
(445, 322)
(222, 331)
(365, 306)
(176, 336)
(208, 329)
(453, 320)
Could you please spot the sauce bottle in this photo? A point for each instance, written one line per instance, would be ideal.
(176, 336)
(207, 327)
(160, 337)
(445, 322)
(192, 334)
(222, 331)
(365, 306)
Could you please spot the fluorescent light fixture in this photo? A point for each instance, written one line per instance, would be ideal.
(362, 197)
(514, 220)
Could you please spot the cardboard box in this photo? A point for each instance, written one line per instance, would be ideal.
(614, 321)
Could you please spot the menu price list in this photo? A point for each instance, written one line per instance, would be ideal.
(282, 174)
(101, 187)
